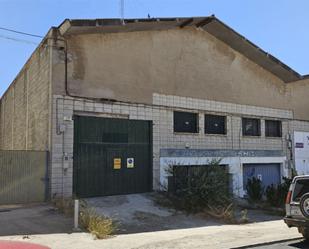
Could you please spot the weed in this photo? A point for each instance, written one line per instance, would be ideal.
(65, 205)
(100, 226)
(244, 216)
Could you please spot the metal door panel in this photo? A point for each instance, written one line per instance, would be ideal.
(270, 173)
(97, 142)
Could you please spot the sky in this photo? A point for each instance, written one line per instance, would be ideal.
(280, 27)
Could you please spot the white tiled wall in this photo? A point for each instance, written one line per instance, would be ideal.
(161, 113)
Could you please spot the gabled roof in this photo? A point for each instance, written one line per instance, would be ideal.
(210, 24)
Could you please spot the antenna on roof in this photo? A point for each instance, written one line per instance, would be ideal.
(122, 11)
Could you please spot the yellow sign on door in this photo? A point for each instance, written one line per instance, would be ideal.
(117, 163)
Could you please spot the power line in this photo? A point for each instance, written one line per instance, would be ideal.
(18, 40)
(21, 33)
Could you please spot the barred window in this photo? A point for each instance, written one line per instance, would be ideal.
(215, 124)
(185, 122)
(273, 128)
(251, 127)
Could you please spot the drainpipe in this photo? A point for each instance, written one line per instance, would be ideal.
(60, 128)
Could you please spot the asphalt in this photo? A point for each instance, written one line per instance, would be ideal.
(33, 219)
(295, 243)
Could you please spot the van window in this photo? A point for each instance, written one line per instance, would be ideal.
(301, 188)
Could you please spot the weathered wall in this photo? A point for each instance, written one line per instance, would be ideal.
(164, 136)
(160, 68)
(299, 98)
(183, 62)
(25, 106)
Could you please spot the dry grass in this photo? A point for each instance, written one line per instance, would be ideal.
(65, 205)
(228, 214)
(100, 226)
(224, 213)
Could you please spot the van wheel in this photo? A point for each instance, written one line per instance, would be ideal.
(304, 205)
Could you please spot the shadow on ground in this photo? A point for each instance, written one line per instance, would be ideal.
(300, 244)
(262, 216)
(33, 219)
(139, 213)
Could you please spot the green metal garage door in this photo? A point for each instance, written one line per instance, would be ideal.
(111, 156)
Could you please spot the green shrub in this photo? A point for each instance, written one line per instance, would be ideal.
(272, 196)
(255, 189)
(199, 187)
(276, 194)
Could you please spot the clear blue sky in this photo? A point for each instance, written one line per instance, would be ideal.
(279, 27)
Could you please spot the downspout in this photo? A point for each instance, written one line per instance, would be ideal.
(58, 130)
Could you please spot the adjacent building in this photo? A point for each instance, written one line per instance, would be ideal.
(117, 102)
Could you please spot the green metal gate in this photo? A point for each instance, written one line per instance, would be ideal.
(111, 156)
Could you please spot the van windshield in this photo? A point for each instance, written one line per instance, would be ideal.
(301, 188)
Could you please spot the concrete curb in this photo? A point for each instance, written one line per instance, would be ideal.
(267, 243)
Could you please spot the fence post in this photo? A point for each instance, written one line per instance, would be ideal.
(76, 214)
(46, 180)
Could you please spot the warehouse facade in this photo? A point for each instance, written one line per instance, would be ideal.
(118, 103)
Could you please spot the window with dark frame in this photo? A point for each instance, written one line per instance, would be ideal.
(215, 124)
(185, 122)
(273, 128)
(251, 127)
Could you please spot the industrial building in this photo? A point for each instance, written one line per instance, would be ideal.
(116, 102)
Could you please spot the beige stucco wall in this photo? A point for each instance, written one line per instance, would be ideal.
(183, 62)
(132, 67)
(25, 107)
(299, 98)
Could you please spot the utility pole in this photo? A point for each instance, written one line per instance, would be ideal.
(122, 11)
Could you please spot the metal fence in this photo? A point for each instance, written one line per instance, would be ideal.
(23, 176)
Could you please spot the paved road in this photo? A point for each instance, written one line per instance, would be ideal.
(295, 244)
(33, 219)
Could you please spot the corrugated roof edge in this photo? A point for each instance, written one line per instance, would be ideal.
(270, 56)
(181, 22)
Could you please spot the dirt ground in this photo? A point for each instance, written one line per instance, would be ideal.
(139, 213)
(134, 213)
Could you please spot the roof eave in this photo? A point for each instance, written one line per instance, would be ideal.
(210, 24)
